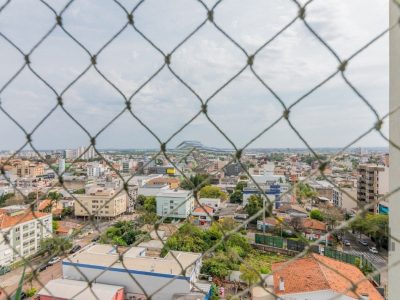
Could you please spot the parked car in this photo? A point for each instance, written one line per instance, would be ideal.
(363, 242)
(42, 267)
(74, 249)
(54, 260)
(95, 239)
(346, 242)
(373, 250)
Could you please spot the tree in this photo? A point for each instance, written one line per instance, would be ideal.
(150, 204)
(55, 245)
(55, 225)
(141, 199)
(215, 267)
(211, 191)
(249, 274)
(316, 214)
(304, 191)
(79, 191)
(332, 216)
(195, 182)
(254, 205)
(296, 223)
(123, 233)
(67, 211)
(148, 218)
(54, 196)
(31, 197)
(240, 185)
(4, 198)
(236, 197)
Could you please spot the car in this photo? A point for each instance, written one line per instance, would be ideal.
(54, 260)
(363, 242)
(23, 296)
(42, 267)
(95, 239)
(373, 250)
(346, 242)
(74, 249)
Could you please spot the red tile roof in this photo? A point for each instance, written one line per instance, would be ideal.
(314, 224)
(7, 221)
(204, 209)
(44, 204)
(314, 273)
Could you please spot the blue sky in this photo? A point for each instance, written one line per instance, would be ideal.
(291, 65)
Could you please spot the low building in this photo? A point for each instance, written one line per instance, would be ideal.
(203, 214)
(313, 229)
(63, 289)
(215, 203)
(101, 202)
(318, 277)
(162, 278)
(175, 203)
(172, 182)
(24, 229)
(291, 210)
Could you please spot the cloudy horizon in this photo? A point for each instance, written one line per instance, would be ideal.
(291, 65)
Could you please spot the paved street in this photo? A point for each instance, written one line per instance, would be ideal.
(379, 260)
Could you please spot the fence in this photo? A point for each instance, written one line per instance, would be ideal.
(299, 246)
(25, 60)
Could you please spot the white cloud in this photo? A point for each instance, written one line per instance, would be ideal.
(291, 65)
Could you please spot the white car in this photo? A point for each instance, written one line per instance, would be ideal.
(373, 250)
(54, 260)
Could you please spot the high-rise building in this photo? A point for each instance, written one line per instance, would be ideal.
(61, 166)
(368, 183)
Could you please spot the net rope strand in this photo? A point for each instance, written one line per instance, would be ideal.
(129, 107)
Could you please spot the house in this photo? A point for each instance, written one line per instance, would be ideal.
(291, 210)
(172, 182)
(269, 223)
(215, 203)
(65, 228)
(322, 278)
(61, 289)
(175, 204)
(203, 214)
(313, 229)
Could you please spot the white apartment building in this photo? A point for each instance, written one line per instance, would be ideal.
(101, 202)
(61, 166)
(24, 229)
(93, 170)
(175, 203)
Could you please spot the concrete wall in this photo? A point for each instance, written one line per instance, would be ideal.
(394, 134)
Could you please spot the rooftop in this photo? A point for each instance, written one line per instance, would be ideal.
(316, 273)
(175, 193)
(78, 290)
(106, 256)
(10, 219)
